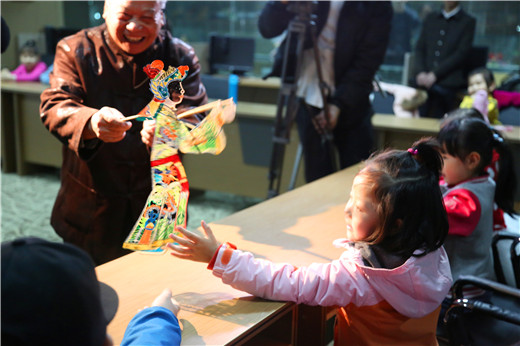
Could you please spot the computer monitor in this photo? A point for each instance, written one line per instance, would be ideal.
(233, 54)
(52, 37)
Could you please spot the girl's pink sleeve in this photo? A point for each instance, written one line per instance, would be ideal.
(463, 209)
(507, 98)
(33, 76)
(325, 284)
(19, 70)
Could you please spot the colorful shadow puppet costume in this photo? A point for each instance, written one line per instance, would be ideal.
(166, 206)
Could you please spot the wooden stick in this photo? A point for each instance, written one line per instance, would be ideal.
(132, 117)
(197, 110)
(189, 112)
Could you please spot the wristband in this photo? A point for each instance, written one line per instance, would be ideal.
(229, 247)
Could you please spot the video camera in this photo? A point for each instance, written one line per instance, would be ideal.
(303, 9)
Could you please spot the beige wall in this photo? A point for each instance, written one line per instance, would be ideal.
(27, 17)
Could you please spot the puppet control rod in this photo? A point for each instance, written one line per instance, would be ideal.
(192, 111)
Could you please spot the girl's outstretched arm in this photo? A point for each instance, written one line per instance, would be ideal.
(194, 247)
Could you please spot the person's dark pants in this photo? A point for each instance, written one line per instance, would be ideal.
(353, 141)
(441, 100)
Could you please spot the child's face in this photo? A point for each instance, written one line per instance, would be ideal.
(361, 210)
(455, 170)
(477, 82)
(29, 60)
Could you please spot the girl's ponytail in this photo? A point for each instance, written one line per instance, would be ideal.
(426, 152)
(505, 179)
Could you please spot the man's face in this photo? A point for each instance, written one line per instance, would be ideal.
(133, 25)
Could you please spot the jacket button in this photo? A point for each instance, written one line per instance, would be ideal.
(442, 32)
(439, 43)
(437, 53)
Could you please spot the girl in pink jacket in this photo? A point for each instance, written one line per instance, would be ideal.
(31, 66)
(393, 275)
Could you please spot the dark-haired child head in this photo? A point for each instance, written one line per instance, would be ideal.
(467, 145)
(406, 199)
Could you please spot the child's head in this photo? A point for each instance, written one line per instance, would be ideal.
(51, 295)
(467, 145)
(396, 202)
(480, 79)
(462, 113)
(29, 55)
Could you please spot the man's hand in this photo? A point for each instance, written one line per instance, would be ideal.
(148, 132)
(108, 125)
(426, 79)
(320, 122)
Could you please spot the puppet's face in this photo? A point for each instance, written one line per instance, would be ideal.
(133, 25)
(177, 92)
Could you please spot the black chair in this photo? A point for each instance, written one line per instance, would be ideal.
(506, 258)
(382, 104)
(483, 322)
(510, 116)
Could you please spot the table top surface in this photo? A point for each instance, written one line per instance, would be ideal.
(24, 87)
(427, 126)
(297, 227)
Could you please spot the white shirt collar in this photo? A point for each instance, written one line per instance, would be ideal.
(448, 15)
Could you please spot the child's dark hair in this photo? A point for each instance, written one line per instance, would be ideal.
(29, 47)
(487, 74)
(462, 113)
(462, 136)
(411, 210)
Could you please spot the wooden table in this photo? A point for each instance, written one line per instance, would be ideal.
(297, 227)
(401, 132)
(24, 138)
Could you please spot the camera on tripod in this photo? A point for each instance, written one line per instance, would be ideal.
(302, 8)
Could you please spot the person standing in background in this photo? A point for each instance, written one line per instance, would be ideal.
(405, 27)
(352, 37)
(97, 80)
(441, 52)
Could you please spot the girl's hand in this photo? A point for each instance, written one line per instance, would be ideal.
(194, 247)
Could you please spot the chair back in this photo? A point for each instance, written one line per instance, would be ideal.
(506, 257)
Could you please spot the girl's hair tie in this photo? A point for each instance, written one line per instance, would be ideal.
(412, 151)
(498, 138)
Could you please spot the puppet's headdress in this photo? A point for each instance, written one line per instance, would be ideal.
(159, 79)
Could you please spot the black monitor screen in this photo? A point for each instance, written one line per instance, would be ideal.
(234, 54)
(52, 37)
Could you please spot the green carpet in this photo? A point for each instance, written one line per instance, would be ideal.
(27, 201)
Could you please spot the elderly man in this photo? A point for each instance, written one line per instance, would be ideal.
(98, 79)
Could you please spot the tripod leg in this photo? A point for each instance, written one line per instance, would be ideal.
(296, 166)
